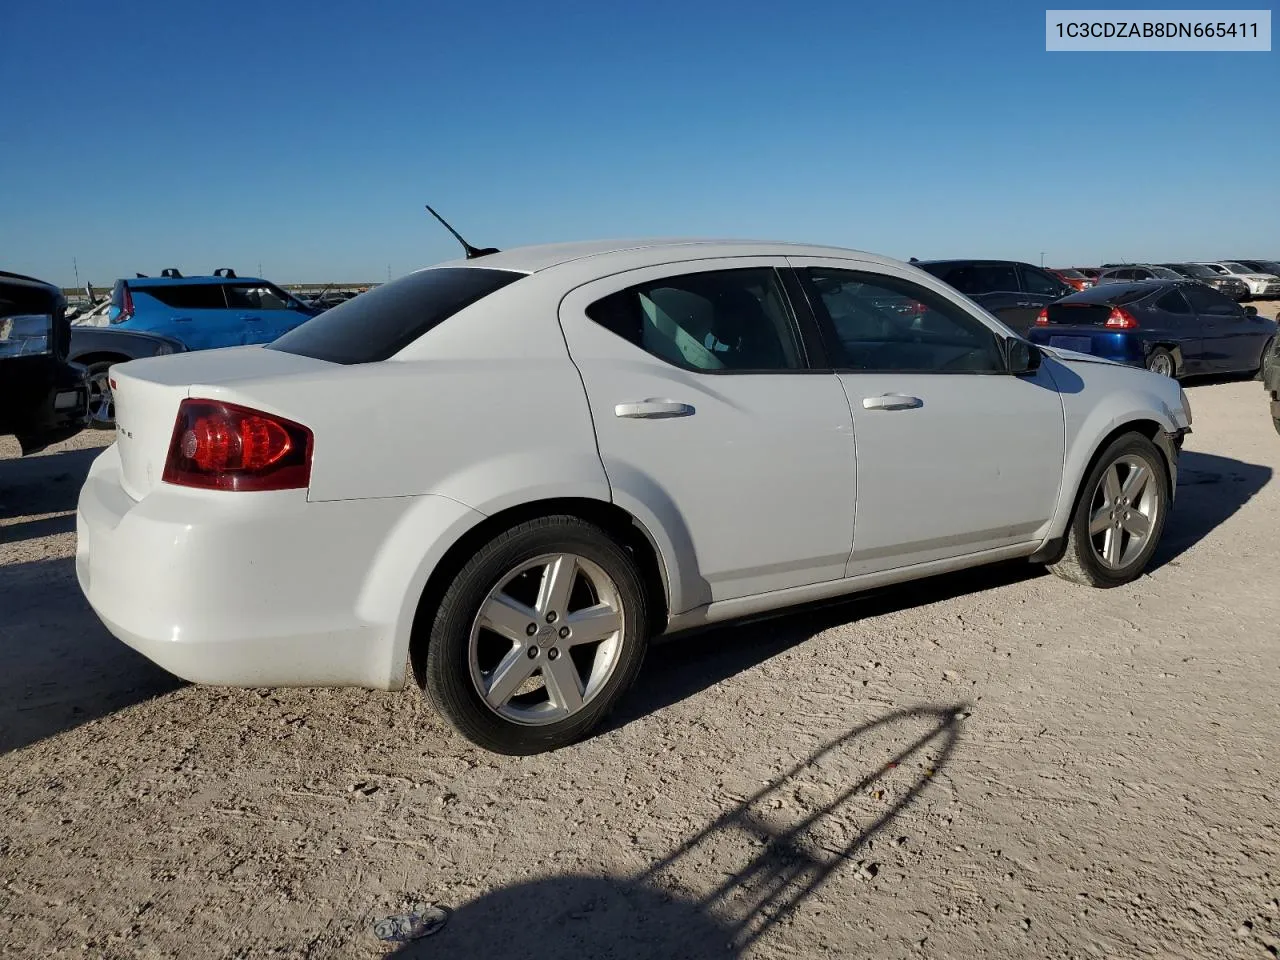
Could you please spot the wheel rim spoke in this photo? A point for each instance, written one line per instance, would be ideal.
(507, 617)
(558, 578)
(1136, 524)
(1101, 520)
(1111, 550)
(564, 687)
(593, 624)
(1111, 485)
(513, 670)
(1135, 483)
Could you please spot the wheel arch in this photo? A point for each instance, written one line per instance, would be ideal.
(625, 528)
(1144, 425)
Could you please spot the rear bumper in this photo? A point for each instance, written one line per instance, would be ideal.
(44, 404)
(1108, 345)
(258, 589)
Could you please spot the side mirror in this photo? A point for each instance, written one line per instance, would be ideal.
(1022, 357)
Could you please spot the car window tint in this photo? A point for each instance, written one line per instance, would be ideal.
(979, 278)
(187, 296)
(1040, 283)
(884, 323)
(720, 320)
(379, 324)
(257, 297)
(1173, 302)
(1207, 302)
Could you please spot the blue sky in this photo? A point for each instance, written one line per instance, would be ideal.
(307, 136)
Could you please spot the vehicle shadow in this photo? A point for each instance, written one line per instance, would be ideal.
(40, 485)
(1211, 489)
(59, 667)
(855, 787)
(683, 665)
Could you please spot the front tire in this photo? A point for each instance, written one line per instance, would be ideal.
(537, 637)
(1119, 515)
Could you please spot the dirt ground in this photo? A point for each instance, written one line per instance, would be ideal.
(995, 764)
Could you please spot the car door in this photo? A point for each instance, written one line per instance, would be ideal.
(194, 313)
(1230, 342)
(262, 311)
(1178, 325)
(1040, 289)
(711, 423)
(955, 455)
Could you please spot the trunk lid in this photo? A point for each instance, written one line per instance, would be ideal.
(147, 394)
(1078, 314)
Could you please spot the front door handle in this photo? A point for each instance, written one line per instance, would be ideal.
(653, 409)
(181, 319)
(891, 401)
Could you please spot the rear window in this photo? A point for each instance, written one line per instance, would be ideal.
(187, 296)
(1130, 295)
(379, 324)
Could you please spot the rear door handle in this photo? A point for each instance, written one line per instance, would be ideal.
(181, 319)
(891, 401)
(653, 409)
(246, 317)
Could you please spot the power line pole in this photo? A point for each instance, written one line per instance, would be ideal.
(1042, 258)
(388, 273)
(76, 267)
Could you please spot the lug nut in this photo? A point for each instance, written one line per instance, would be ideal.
(551, 617)
(553, 653)
(531, 629)
(564, 633)
(533, 653)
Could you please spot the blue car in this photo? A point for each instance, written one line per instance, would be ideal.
(1173, 327)
(222, 310)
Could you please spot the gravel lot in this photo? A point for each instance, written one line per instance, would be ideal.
(995, 764)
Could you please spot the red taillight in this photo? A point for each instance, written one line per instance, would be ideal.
(126, 305)
(1042, 318)
(1121, 319)
(224, 446)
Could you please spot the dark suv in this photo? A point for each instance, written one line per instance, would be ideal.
(1014, 291)
(43, 399)
(1232, 287)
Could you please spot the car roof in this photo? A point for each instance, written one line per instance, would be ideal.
(143, 282)
(1102, 293)
(975, 261)
(532, 259)
(22, 280)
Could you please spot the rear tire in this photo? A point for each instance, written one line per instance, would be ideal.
(1265, 360)
(102, 408)
(508, 661)
(1119, 515)
(1161, 361)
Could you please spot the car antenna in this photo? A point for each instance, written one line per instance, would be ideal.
(472, 252)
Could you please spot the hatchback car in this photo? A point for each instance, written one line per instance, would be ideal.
(1014, 291)
(206, 312)
(1137, 271)
(511, 471)
(1175, 328)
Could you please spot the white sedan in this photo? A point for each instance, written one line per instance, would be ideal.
(503, 475)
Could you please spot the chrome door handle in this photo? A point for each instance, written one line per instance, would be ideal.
(249, 318)
(653, 409)
(891, 401)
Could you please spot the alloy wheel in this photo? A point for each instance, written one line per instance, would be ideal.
(1162, 364)
(102, 407)
(1124, 510)
(546, 639)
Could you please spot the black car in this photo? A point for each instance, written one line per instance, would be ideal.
(1261, 266)
(1014, 291)
(1230, 286)
(1172, 327)
(43, 398)
(97, 348)
(1271, 380)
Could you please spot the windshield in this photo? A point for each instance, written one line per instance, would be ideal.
(1236, 267)
(379, 324)
(1164, 273)
(1196, 270)
(1073, 274)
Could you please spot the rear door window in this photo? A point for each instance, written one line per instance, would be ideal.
(261, 296)
(1040, 283)
(1210, 303)
(187, 296)
(379, 324)
(1173, 302)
